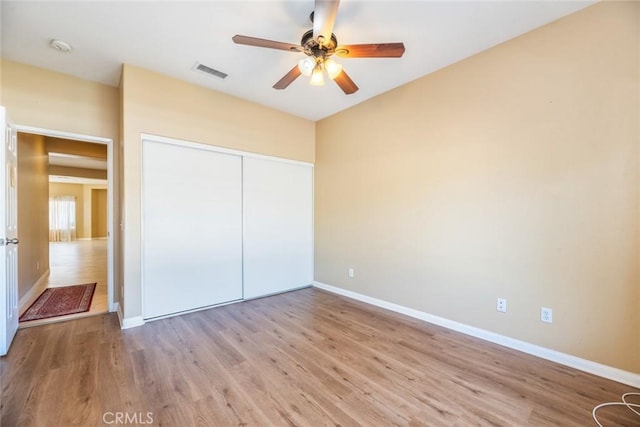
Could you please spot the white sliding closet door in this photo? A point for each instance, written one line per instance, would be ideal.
(192, 228)
(278, 226)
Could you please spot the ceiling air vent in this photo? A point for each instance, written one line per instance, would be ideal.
(204, 69)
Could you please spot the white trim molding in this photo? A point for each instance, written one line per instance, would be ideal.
(37, 288)
(218, 149)
(130, 322)
(62, 134)
(584, 365)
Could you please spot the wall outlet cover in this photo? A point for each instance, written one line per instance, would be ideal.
(501, 305)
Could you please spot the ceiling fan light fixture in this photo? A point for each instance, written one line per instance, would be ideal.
(319, 44)
(333, 68)
(317, 77)
(306, 66)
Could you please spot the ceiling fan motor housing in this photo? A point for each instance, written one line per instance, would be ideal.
(312, 47)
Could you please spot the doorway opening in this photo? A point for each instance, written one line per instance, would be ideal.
(66, 218)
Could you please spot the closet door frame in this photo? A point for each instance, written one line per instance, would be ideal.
(218, 149)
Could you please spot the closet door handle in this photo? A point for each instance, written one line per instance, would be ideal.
(7, 242)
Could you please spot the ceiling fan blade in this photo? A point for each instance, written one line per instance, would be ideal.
(373, 50)
(346, 84)
(254, 41)
(324, 16)
(288, 78)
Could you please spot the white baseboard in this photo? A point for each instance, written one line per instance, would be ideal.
(130, 322)
(116, 308)
(37, 288)
(584, 365)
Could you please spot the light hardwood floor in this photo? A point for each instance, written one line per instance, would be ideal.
(305, 358)
(76, 263)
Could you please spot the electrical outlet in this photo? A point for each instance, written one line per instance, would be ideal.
(351, 272)
(501, 305)
(546, 315)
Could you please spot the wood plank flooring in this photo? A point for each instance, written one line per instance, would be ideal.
(306, 358)
(76, 263)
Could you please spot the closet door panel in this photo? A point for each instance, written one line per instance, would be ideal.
(192, 228)
(278, 226)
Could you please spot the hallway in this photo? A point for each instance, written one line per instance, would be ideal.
(75, 263)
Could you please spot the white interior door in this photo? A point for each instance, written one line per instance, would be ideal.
(278, 226)
(9, 238)
(192, 228)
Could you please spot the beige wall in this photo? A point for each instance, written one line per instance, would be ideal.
(89, 214)
(511, 174)
(160, 105)
(33, 206)
(77, 172)
(98, 213)
(46, 99)
(50, 100)
(77, 148)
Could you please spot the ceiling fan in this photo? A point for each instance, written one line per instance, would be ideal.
(320, 44)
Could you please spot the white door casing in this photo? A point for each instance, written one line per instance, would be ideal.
(9, 238)
(111, 186)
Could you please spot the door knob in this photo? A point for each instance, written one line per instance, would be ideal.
(7, 242)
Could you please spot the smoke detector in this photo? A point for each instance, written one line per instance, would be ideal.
(60, 45)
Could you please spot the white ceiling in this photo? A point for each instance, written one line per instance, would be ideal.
(171, 36)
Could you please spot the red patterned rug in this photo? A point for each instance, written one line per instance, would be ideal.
(54, 302)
